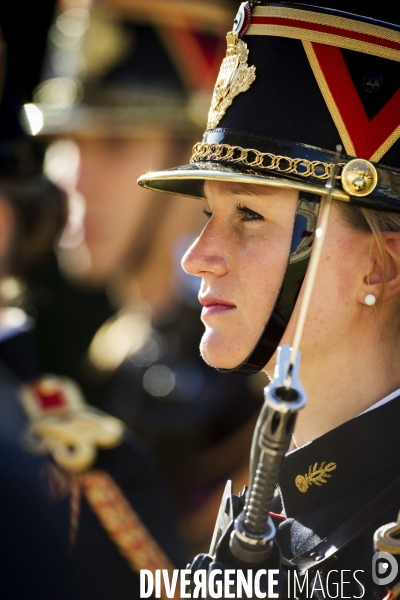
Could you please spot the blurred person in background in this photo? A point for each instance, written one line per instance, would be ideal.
(120, 95)
(82, 510)
(28, 568)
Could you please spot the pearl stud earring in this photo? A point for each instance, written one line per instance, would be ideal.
(370, 300)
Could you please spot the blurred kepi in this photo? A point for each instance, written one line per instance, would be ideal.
(119, 80)
(126, 86)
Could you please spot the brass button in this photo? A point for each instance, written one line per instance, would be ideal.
(359, 177)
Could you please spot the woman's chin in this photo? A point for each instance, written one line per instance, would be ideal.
(221, 353)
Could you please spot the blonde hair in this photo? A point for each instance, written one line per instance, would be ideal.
(367, 220)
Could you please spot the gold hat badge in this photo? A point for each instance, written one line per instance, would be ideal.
(235, 77)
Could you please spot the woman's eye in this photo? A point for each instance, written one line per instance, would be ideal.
(207, 213)
(248, 214)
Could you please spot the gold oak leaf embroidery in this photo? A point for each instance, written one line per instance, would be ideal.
(316, 475)
(235, 77)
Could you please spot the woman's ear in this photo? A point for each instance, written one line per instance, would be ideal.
(383, 275)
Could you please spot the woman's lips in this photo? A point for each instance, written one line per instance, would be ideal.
(214, 306)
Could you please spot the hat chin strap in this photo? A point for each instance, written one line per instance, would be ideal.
(304, 227)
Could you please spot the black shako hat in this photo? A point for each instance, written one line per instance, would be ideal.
(124, 68)
(297, 81)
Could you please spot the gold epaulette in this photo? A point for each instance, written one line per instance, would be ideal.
(63, 425)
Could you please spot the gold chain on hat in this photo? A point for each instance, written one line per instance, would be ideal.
(263, 160)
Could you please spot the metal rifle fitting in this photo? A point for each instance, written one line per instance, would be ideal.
(254, 531)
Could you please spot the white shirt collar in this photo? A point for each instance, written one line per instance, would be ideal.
(391, 396)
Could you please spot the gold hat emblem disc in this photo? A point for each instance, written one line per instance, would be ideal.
(359, 177)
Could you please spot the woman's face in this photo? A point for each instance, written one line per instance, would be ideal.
(241, 257)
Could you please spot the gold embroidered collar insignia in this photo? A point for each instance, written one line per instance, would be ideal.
(316, 475)
(235, 77)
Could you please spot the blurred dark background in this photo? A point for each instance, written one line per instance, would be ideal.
(24, 27)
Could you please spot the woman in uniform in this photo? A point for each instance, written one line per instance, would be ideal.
(298, 81)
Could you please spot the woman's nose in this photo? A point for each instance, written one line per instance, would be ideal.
(206, 255)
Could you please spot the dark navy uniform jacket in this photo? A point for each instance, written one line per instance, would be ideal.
(96, 570)
(324, 484)
(33, 561)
